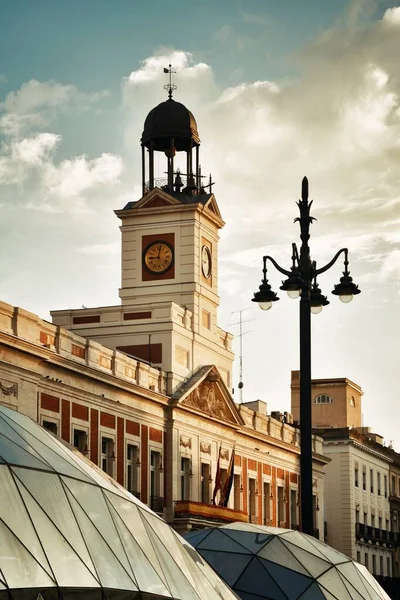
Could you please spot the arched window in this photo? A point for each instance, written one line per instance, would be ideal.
(323, 399)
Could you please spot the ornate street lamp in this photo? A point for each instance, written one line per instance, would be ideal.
(302, 283)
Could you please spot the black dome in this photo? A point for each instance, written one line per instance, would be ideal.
(168, 120)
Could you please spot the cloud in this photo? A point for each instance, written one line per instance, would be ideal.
(37, 103)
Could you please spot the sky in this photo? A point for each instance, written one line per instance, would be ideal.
(279, 90)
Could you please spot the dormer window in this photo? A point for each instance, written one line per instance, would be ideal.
(323, 399)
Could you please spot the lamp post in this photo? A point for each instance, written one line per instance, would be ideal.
(302, 283)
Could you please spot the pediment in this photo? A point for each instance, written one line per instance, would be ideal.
(212, 205)
(156, 198)
(207, 394)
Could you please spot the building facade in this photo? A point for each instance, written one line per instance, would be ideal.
(143, 388)
(362, 493)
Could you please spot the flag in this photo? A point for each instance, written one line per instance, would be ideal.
(166, 70)
(228, 481)
(217, 485)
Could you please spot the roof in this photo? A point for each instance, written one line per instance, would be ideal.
(183, 198)
(170, 119)
(68, 527)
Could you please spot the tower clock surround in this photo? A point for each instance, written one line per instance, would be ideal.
(158, 257)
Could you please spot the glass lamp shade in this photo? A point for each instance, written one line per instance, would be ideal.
(294, 294)
(316, 309)
(265, 305)
(346, 298)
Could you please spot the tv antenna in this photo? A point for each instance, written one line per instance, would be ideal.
(240, 336)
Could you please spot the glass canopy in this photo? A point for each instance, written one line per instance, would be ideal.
(68, 531)
(280, 564)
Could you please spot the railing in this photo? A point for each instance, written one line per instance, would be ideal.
(376, 534)
(157, 504)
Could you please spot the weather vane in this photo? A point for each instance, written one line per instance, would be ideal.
(170, 87)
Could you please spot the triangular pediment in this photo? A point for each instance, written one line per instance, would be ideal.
(156, 198)
(212, 205)
(206, 393)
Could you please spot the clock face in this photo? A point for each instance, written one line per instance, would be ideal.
(206, 261)
(158, 257)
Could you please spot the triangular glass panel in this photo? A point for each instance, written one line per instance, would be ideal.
(218, 541)
(63, 559)
(253, 541)
(332, 581)
(314, 565)
(292, 584)
(258, 581)
(15, 516)
(229, 569)
(47, 452)
(195, 537)
(110, 571)
(350, 572)
(91, 499)
(206, 583)
(302, 541)
(179, 585)
(145, 576)
(327, 594)
(49, 493)
(13, 454)
(334, 556)
(354, 593)
(278, 553)
(2, 585)
(170, 543)
(129, 514)
(314, 592)
(19, 568)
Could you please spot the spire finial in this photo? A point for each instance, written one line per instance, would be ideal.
(170, 87)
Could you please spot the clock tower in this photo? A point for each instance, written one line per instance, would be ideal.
(169, 259)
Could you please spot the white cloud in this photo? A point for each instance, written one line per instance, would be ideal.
(73, 177)
(34, 150)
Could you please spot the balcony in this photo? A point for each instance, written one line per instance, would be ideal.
(367, 533)
(157, 504)
(187, 511)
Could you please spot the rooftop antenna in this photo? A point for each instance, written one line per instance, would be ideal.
(240, 336)
(169, 87)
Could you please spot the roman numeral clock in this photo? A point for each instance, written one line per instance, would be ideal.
(158, 257)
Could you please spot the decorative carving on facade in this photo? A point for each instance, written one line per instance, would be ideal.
(7, 391)
(185, 442)
(207, 398)
(224, 454)
(205, 447)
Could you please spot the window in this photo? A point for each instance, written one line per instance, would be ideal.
(50, 426)
(366, 560)
(371, 480)
(380, 522)
(185, 478)
(365, 518)
(352, 401)
(107, 455)
(267, 503)
(358, 556)
(385, 485)
(205, 483)
(132, 465)
(156, 502)
(281, 508)
(356, 476)
(379, 484)
(80, 440)
(236, 492)
(388, 573)
(381, 565)
(387, 524)
(364, 480)
(372, 520)
(374, 564)
(393, 485)
(252, 500)
(293, 509)
(323, 399)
